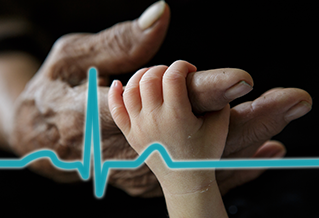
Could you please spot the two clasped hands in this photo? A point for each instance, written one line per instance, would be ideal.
(185, 110)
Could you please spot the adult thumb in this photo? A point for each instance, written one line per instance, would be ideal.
(121, 48)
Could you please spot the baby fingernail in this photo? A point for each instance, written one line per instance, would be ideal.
(114, 83)
(151, 15)
(298, 110)
(238, 90)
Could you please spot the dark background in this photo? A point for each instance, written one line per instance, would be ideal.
(276, 43)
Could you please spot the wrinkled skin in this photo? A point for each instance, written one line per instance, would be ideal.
(50, 112)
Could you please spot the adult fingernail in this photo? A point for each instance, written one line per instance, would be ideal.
(238, 90)
(274, 154)
(151, 15)
(271, 153)
(298, 110)
(279, 154)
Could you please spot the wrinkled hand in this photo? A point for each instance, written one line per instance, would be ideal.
(252, 124)
(50, 112)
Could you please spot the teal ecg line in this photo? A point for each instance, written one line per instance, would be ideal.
(101, 170)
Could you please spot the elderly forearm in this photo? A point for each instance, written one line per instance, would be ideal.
(16, 69)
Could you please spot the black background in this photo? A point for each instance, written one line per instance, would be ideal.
(276, 43)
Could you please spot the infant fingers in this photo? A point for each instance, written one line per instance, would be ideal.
(174, 85)
(151, 88)
(131, 95)
(117, 107)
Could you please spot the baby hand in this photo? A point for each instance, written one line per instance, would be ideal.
(155, 108)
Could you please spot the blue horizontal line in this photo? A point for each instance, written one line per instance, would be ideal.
(92, 127)
(189, 164)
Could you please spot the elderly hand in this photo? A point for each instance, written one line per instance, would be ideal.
(252, 124)
(50, 112)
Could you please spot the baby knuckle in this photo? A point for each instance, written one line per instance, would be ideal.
(180, 62)
(116, 113)
(153, 75)
(173, 76)
(147, 79)
(129, 91)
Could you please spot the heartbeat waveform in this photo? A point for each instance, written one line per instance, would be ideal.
(92, 127)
